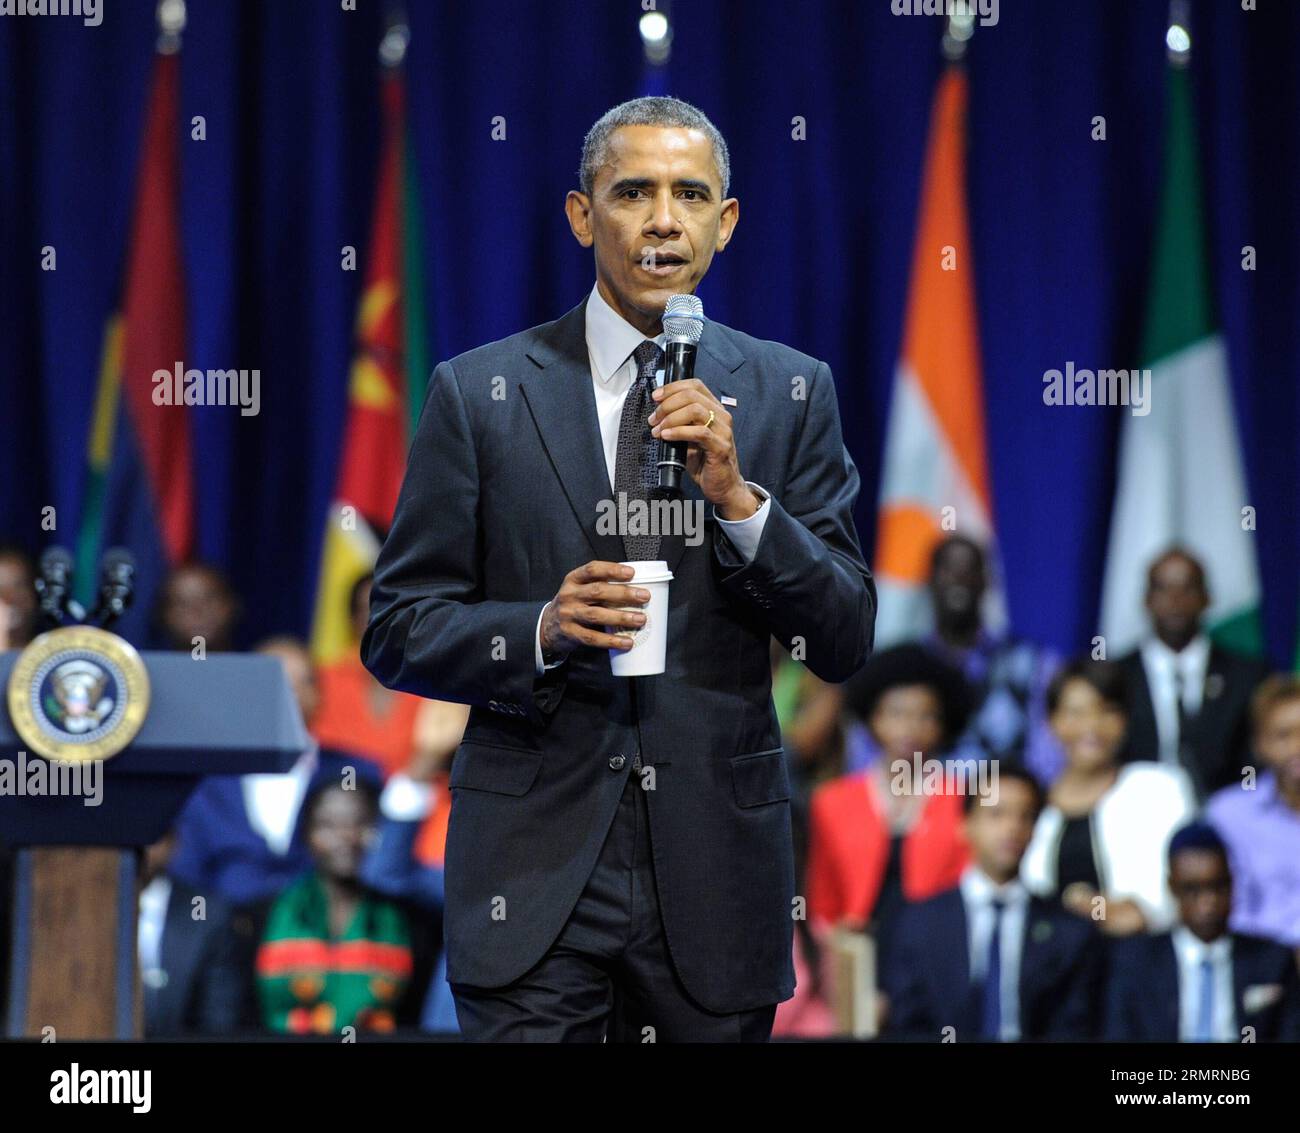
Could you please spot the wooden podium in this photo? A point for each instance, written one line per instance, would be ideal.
(72, 938)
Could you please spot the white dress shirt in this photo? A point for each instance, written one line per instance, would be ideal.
(272, 800)
(1191, 952)
(1162, 665)
(611, 342)
(977, 893)
(407, 800)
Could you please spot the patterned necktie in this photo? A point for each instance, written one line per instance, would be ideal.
(636, 466)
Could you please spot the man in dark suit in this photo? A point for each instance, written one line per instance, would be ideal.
(195, 971)
(619, 858)
(985, 959)
(1189, 699)
(1200, 982)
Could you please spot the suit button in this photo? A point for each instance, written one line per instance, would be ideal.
(616, 762)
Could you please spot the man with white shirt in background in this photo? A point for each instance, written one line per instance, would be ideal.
(1189, 698)
(1200, 982)
(194, 963)
(237, 835)
(986, 958)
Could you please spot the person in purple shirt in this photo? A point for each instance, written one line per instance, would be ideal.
(1259, 819)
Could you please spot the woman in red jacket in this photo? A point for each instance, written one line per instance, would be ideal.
(876, 840)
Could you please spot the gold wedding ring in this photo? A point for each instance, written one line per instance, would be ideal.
(710, 420)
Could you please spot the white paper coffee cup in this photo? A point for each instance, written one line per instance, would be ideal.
(646, 657)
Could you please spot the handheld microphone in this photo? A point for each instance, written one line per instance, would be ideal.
(683, 326)
(53, 584)
(116, 587)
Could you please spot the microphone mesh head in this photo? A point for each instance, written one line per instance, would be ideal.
(684, 319)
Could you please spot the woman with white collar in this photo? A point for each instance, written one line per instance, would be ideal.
(1099, 845)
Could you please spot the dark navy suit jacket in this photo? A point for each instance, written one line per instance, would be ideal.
(499, 503)
(1142, 991)
(928, 980)
(206, 970)
(1218, 736)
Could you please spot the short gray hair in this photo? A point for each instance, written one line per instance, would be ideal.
(652, 110)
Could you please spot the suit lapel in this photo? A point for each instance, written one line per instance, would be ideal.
(1033, 941)
(562, 402)
(955, 975)
(1209, 722)
(1241, 979)
(1142, 710)
(1166, 993)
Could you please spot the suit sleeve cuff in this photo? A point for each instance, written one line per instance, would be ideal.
(744, 534)
(542, 666)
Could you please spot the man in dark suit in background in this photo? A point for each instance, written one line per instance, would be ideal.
(195, 970)
(1200, 982)
(986, 958)
(619, 858)
(1189, 699)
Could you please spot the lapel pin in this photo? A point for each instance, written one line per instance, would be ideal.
(727, 400)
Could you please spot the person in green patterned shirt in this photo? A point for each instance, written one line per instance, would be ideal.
(333, 954)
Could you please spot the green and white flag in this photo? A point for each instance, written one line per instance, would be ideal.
(1181, 475)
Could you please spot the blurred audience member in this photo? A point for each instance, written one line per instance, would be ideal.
(391, 867)
(192, 967)
(18, 605)
(1099, 846)
(236, 833)
(985, 957)
(1201, 982)
(1009, 676)
(357, 713)
(876, 838)
(808, 713)
(196, 602)
(334, 954)
(439, 726)
(1260, 819)
(1188, 698)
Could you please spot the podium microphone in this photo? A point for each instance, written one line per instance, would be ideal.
(53, 583)
(683, 326)
(116, 587)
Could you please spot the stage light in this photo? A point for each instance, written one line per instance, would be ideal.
(657, 36)
(171, 16)
(392, 48)
(1178, 36)
(654, 27)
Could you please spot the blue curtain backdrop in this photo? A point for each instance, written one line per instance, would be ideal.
(1062, 228)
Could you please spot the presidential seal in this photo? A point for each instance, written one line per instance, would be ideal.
(78, 693)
